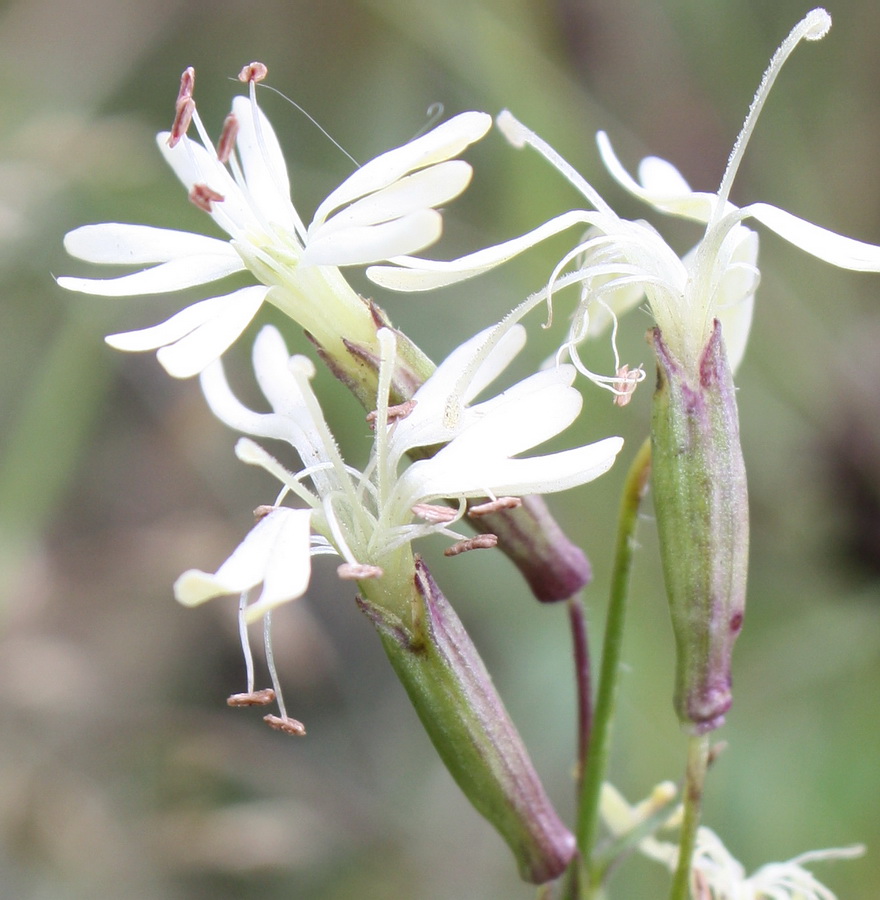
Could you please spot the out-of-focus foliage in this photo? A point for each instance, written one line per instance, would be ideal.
(122, 773)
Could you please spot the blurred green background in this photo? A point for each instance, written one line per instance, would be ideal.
(122, 773)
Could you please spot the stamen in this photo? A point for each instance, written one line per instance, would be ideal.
(434, 513)
(262, 511)
(358, 571)
(184, 106)
(183, 115)
(626, 384)
(480, 542)
(285, 724)
(491, 506)
(270, 663)
(245, 642)
(203, 196)
(252, 73)
(392, 413)
(228, 136)
(252, 698)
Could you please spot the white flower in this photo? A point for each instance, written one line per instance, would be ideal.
(618, 262)
(368, 516)
(384, 209)
(715, 873)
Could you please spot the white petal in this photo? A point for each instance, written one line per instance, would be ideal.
(210, 340)
(443, 142)
(115, 243)
(264, 167)
(174, 275)
(663, 186)
(276, 551)
(371, 243)
(735, 299)
(179, 324)
(429, 422)
(421, 190)
(426, 274)
(826, 245)
(517, 477)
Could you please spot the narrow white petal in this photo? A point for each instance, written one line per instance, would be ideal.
(184, 322)
(429, 422)
(443, 142)
(426, 274)
(284, 534)
(513, 424)
(264, 167)
(174, 275)
(826, 245)
(119, 244)
(371, 243)
(189, 355)
(421, 190)
(517, 477)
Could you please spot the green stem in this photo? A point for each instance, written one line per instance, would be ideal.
(609, 677)
(697, 763)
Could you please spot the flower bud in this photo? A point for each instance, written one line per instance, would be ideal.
(701, 504)
(456, 701)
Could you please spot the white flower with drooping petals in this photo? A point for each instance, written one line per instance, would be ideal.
(367, 516)
(618, 263)
(384, 209)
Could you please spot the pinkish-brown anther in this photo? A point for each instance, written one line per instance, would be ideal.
(626, 384)
(358, 571)
(252, 698)
(434, 513)
(262, 511)
(203, 196)
(480, 542)
(286, 724)
(182, 117)
(492, 506)
(226, 144)
(400, 411)
(254, 71)
(187, 83)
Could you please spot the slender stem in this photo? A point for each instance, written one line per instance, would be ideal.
(581, 648)
(697, 763)
(600, 737)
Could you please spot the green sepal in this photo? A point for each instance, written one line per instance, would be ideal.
(463, 715)
(701, 504)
